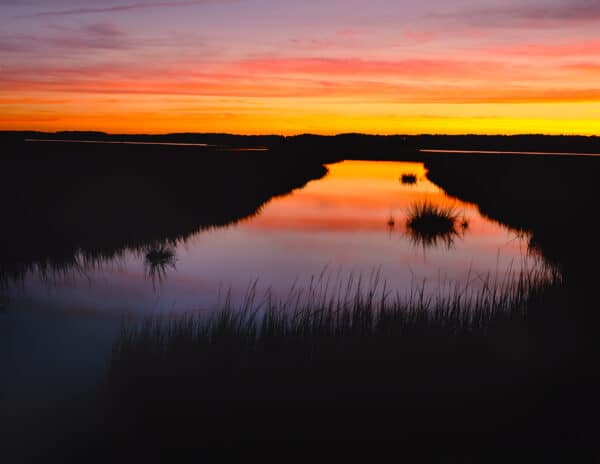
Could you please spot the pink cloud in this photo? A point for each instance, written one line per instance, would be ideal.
(402, 81)
(419, 36)
(593, 68)
(350, 32)
(568, 49)
(365, 67)
(239, 86)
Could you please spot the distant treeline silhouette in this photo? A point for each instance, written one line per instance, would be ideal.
(343, 146)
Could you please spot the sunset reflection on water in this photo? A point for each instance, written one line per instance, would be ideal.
(353, 221)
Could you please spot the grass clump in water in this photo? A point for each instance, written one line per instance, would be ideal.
(157, 262)
(428, 224)
(408, 179)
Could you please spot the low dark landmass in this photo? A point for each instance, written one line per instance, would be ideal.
(343, 146)
(68, 205)
(553, 198)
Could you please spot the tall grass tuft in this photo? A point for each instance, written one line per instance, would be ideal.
(429, 225)
(358, 306)
(408, 179)
(157, 262)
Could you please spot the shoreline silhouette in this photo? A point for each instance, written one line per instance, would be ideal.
(518, 372)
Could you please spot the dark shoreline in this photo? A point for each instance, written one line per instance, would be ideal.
(92, 201)
(134, 185)
(342, 146)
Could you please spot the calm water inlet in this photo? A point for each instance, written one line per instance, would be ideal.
(353, 221)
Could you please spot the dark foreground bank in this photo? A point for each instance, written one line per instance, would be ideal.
(500, 375)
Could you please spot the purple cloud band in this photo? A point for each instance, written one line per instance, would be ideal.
(116, 8)
(541, 13)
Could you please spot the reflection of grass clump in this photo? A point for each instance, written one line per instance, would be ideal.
(430, 224)
(408, 179)
(157, 261)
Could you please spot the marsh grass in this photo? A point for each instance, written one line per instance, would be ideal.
(408, 179)
(157, 257)
(342, 321)
(332, 307)
(342, 359)
(157, 262)
(429, 225)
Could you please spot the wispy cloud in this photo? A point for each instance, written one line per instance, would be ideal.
(400, 82)
(13, 45)
(115, 8)
(586, 67)
(97, 36)
(552, 50)
(539, 13)
(350, 67)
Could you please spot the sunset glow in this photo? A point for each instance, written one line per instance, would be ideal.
(267, 66)
(360, 196)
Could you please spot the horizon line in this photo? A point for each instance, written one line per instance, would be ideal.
(299, 134)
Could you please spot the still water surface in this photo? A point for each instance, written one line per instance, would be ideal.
(353, 221)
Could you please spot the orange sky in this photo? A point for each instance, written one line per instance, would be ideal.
(322, 67)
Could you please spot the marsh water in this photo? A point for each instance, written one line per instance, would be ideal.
(65, 299)
(350, 223)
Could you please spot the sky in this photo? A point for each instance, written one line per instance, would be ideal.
(289, 67)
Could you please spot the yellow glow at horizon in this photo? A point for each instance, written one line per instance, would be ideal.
(287, 116)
